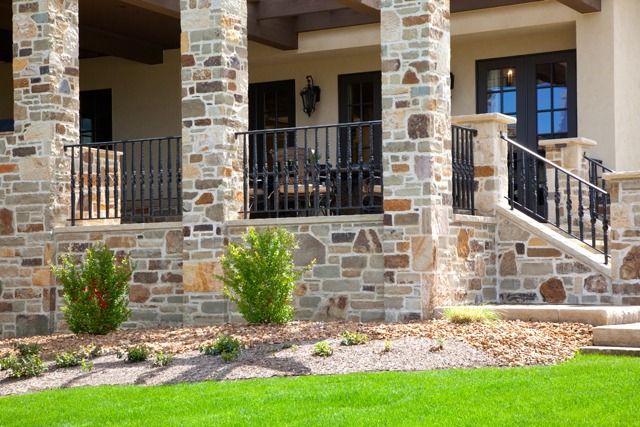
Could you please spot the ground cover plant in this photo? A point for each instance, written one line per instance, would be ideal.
(25, 361)
(224, 346)
(463, 315)
(95, 291)
(578, 392)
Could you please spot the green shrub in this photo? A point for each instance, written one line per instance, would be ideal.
(28, 349)
(161, 359)
(90, 351)
(86, 365)
(137, 353)
(388, 346)
(353, 338)
(27, 363)
(462, 315)
(96, 291)
(322, 349)
(259, 275)
(224, 346)
(68, 360)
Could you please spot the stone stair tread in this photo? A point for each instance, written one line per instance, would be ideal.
(625, 335)
(612, 351)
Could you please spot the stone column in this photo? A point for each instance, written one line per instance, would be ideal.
(490, 159)
(34, 172)
(416, 104)
(214, 107)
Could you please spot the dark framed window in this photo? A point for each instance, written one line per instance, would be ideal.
(95, 116)
(360, 100)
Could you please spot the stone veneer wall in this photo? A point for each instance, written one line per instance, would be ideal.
(347, 281)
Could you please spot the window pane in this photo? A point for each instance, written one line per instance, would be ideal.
(560, 95)
(560, 73)
(367, 92)
(560, 124)
(543, 75)
(509, 102)
(493, 103)
(494, 80)
(509, 81)
(544, 99)
(544, 123)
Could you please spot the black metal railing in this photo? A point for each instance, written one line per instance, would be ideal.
(463, 169)
(133, 181)
(314, 170)
(570, 195)
(596, 169)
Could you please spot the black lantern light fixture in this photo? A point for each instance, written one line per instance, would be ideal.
(310, 96)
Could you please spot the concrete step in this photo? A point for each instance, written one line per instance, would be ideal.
(611, 351)
(617, 335)
(592, 315)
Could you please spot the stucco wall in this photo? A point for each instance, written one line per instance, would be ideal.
(6, 91)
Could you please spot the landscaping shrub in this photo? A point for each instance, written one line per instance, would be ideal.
(161, 359)
(353, 338)
(27, 363)
(96, 291)
(322, 349)
(224, 346)
(68, 360)
(259, 275)
(463, 315)
(135, 354)
(388, 346)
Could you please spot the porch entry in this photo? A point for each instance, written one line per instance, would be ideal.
(540, 91)
(332, 169)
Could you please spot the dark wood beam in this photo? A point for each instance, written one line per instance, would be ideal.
(369, 7)
(278, 32)
(584, 6)
(106, 43)
(334, 19)
(163, 7)
(467, 5)
(283, 8)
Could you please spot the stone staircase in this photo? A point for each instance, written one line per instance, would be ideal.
(620, 340)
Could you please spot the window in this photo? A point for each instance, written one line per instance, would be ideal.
(95, 116)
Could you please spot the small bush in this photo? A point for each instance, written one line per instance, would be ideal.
(462, 315)
(28, 349)
(90, 351)
(259, 275)
(86, 365)
(68, 360)
(224, 346)
(6, 362)
(388, 346)
(439, 346)
(137, 353)
(26, 364)
(96, 291)
(353, 338)
(161, 359)
(322, 349)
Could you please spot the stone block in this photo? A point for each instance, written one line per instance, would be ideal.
(31, 324)
(214, 307)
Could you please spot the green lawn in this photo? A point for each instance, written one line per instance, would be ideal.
(590, 390)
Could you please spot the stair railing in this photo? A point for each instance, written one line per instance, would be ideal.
(569, 192)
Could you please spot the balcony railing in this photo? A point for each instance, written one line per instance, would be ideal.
(130, 181)
(315, 170)
(463, 169)
(596, 169)
(571, 197)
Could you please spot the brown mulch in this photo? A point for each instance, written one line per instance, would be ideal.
(508, 343)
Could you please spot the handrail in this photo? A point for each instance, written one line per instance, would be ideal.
(597, 163)
(299, 128)
(120, 141)
(553, 165)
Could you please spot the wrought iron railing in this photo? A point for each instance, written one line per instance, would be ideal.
(133, 181)
(570, 195)
(314, 170)
(463, 169)
(596, 170)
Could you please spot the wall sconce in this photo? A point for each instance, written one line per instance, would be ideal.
(310, 95)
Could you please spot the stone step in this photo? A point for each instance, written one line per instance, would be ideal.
(592, 315)
(617, 335)
(611, 351)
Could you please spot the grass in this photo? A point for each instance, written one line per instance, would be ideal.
(469, 314)
(589, 390)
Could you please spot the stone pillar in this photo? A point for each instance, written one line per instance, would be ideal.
(624, 236)
(214, 107)
(490, 159)
(416, 105)
(34, 173)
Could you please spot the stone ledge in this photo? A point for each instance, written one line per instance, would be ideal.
(568, 141)
(569, 245)
(474, 219)
(611, 351)
(488, 117)
(118, 227)
(338, 219)
(621, 176)
(7, 133)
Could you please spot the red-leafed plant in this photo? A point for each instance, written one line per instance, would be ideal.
(95, 291)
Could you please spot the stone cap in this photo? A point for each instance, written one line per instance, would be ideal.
(621, 176)
(586, 142)
(487, 117)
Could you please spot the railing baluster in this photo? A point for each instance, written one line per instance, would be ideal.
(81, 165)
(90, 183)
(580, 211)
(349, 166)
(169, 178)
(178, 145)
(73, 185)
(605, 227)
(160, 176)
(305, 170)
(316, 174)
(98, 183)
(593, 212)
(107, 183)
(338, 170)
(327, 170)
(569, 205)
(557, 197)
(150, 186)
(116, 167)
(126, 177)
(276, 176)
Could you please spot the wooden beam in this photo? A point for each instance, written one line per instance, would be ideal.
(270, 9)
(106, 43)
(369, 7)
(163, 7)
(278, 32)
(584, 6)
(467, 5)
(334, 19)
